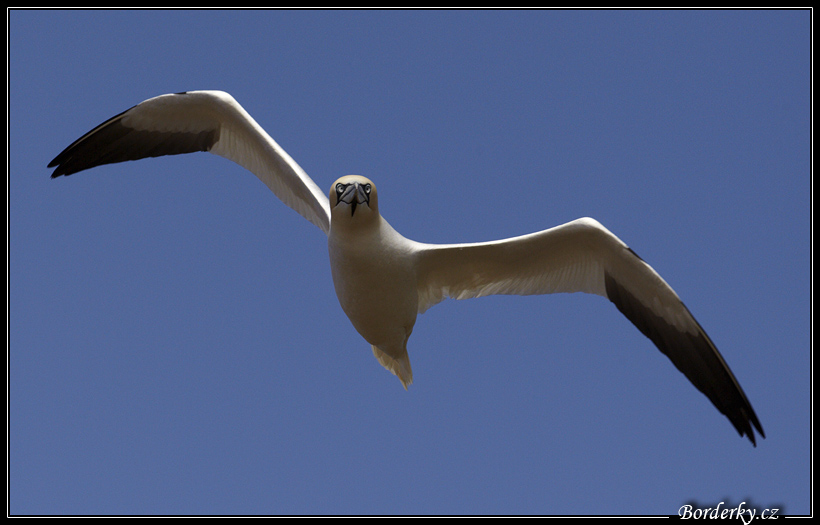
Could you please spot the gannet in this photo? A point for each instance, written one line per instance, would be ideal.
(384, 280)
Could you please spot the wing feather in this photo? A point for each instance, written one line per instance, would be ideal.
(583, 256)
(197, 121)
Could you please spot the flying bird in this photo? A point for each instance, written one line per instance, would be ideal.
(384, 280)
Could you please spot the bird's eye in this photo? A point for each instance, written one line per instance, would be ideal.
(340, 188)
(367, 188)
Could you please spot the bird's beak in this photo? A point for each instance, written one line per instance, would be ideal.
(354, 195)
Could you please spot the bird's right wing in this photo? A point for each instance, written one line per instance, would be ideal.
(583, 256)
(198, 121)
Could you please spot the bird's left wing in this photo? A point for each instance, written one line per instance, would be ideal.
(583, 256)
(197, 121)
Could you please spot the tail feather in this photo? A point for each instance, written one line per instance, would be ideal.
(399, 366)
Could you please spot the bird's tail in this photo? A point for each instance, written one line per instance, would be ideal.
(400, 366)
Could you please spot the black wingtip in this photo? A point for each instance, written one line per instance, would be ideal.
(57, 172)
(758, 427)
(694, 355)
(112, 142)
(60, 168)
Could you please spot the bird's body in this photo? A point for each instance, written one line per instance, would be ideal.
(383, 280)
(373, 270)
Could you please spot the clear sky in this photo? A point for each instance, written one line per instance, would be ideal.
(175, 343)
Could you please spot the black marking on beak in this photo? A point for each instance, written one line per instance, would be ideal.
(353, 194)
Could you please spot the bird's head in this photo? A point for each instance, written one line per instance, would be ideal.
(353, 199)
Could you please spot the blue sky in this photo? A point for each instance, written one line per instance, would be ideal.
(175, 344)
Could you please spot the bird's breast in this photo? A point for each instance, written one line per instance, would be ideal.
(376, 286)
